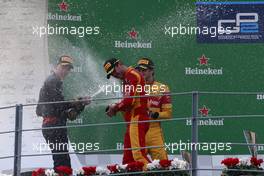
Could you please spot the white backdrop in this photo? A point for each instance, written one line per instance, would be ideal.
(24, 65)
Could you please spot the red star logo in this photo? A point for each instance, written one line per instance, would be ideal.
(63, 6)
(133, 34)
(204, 111)
(203, 60)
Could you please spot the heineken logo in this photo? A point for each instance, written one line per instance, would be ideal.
(132, 41)
(133, 34)
(204, 112)
(64, 7)
(203, 60)
(203, 68)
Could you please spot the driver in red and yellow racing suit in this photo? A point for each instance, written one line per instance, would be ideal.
(160, 108)
(135, 109)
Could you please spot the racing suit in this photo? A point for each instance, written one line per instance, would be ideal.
(134, 109)
(162, 105)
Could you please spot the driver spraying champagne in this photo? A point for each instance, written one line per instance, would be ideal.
(160, 107)
(134, 110)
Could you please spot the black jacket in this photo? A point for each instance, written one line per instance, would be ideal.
(51, 91)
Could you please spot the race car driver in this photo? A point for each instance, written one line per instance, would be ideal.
(135, 110)
(160, 108)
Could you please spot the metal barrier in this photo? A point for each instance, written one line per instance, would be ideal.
(194, 130)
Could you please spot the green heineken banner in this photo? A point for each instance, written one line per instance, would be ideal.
(93, 31)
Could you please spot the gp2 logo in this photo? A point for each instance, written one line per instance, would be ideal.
(244, 23)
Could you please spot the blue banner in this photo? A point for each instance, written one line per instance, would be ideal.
(230, 22)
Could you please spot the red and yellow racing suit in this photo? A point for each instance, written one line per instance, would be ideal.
(135, 109)
(162, 105)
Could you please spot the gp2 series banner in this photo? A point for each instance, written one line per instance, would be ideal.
(230, 22)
